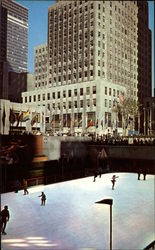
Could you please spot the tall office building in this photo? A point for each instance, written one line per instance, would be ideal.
(17, 36)
(40, 66)
(3, 52)
(92, 63)
(14, 50)
(144, 53)
(144, 68)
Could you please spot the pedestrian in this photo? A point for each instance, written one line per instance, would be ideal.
(43, 198)
(25, 186)
(139, 173)
(95, 175)
(113, 180)
(100, 172)
(5, 216)
(144, 174)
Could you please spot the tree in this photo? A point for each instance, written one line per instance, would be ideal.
(126, 113)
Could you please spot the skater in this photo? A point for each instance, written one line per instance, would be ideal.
(43, 198)
(95, 175)
(144, 174)
(114, 180)
(25, 187)
(5, 216)
(100, 172)
(139, 173)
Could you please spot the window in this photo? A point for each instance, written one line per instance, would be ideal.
(34, 98)
(69, 105)
(75, 104)
(88, 103)
(88, 91)
(94, 89)
(53, 95)
(114, 93)
(94, 102)
(91, 73)
(81, 91)
(105, 90)
(105, 103)
(43, 97)
(81, 103)
(25, 98)
(38, 97)
(64, 93)
(109, 103)
(110, 91)
(29, 98)
(58, 94)
(48, 96)
(75, 92)
(69, 93)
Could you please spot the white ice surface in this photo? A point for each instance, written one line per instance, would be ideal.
(72, 220)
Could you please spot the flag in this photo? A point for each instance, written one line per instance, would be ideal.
(69, 123)
(64, 122)
(34, 119)
(121, 98)
(79, 123)
(26, 116)
(75, 122)
(19, 118)
(97, 123)
(3, 117)
(59, 122)
(90, 124)
(12, 116)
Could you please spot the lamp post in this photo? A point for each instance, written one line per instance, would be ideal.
(108, 202)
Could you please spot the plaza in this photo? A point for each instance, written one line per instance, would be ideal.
(72, 220)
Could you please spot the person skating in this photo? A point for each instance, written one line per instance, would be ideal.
(43, 198)
(95, 175)
(5, 216)
(139, 173)
(113, 180)
(25, 186)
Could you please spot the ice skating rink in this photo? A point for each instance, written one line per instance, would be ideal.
(72, 220)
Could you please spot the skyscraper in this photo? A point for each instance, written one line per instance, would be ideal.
(17, 36)
(92, 65)
(144, 66)
(14, 50)
(94, 42)
(3, 52)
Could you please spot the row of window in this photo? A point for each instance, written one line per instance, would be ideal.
(76, 104)
(41, 50)
(64, 94)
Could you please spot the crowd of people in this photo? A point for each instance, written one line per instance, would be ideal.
(122, 141)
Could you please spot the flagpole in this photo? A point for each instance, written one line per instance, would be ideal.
(54, 121)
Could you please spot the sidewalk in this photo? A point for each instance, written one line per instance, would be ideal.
(72, 220)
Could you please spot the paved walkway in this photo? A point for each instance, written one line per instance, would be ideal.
(72, 220)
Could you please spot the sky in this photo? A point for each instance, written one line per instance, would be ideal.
(37, 33)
